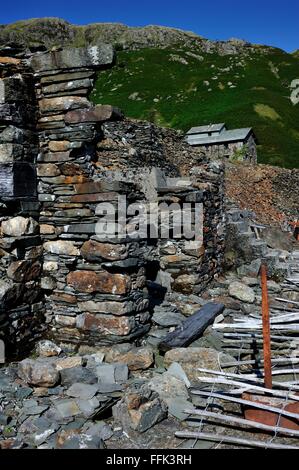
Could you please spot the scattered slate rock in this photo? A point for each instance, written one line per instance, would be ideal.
(68, 362)
(109, 388)
(67, 408)
(95, 359)
(251, 270)
(139, 409)
(38, 373)
(88, 407)
(251, 281)
(135, 358)
(4, 419)
(47, 348)
(105, 373)
(193, 358)
(32, 410)
(172, 390)
(121, 373)
(45, 429)
(74, 440)
(273, 286)
(211, 339)
(77, 374)
(100, 429)
(177, 371)
(112, 373)
(82, 391)
(23, 392)
(242, 292)
(167, 318)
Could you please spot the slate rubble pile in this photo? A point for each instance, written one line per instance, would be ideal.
(113, 396)
(104, 381)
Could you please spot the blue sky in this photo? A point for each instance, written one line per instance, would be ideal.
(272, 22)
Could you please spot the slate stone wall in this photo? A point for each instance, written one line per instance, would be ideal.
(235, 151)
(56, 274)
(21, 307)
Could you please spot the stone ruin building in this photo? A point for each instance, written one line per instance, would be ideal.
(218, 142)
(133, 317)
(60, 157)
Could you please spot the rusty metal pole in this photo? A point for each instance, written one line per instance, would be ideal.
(266, 329)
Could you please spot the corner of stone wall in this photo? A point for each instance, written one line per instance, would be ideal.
(21, 307)
(59, 163)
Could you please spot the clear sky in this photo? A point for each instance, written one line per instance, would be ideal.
(272, 22)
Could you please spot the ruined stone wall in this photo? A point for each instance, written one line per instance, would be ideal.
(200, 266)
(95, 290)
(172, 172)
(21, 307)
(235, 151)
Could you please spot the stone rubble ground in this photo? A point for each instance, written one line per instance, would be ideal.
(68, 394)
(124, 395)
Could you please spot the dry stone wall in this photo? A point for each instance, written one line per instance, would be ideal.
(94, 290)
(57, 275)
(21, 307)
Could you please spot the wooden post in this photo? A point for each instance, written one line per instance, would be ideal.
(266, 329)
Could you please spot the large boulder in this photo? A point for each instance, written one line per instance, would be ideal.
(242, 292)
(139, 409)
(171, 388)
(193, 358)
(39, 373)
(19, 226)
(135, 358)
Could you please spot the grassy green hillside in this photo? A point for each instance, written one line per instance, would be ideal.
(175, 87)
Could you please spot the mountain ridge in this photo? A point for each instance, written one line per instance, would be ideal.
(178, 79)
(51, 32)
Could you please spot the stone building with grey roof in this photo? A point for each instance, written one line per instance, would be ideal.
(219, 142)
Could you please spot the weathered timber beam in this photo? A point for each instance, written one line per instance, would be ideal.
(192, 328)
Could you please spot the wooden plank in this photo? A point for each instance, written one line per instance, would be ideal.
(243, 422)
(192, 328)
(250, 387)
(279, 360)
(232, 440)
(248, 378)
(252, 404)
(287, 301)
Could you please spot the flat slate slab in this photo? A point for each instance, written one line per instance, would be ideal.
(73, 58)
(82, 391)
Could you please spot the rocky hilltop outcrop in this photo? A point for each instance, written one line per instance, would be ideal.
(51, 32)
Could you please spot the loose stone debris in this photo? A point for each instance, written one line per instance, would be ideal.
(125, 342)
(109, 396)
